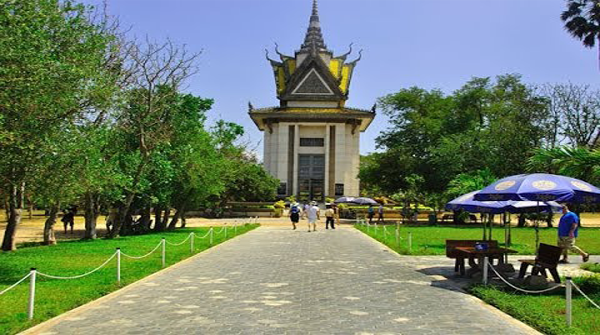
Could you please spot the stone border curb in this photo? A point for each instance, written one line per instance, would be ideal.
(39, 328)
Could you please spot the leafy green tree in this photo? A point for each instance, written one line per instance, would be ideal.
(469, 182)
(51, 71)
(486, 124)
(159, 71)
(582, 21)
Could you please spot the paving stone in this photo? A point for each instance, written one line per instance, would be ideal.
(278, 281)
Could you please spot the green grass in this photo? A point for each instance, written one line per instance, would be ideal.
(545, 313)
(430, 240)
(594, 267)
(54, 297)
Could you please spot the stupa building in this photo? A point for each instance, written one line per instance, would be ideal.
(311, 140)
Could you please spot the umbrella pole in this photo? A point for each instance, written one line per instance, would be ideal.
(537, 228)
(505, 236)
(483, 220)
(491, 226)
(509, 230)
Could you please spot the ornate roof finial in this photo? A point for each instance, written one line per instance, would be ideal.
(313, 33)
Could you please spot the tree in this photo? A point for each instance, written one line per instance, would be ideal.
(575, 111)
(582, 21)
(159, 72)
(486, 124)
(50, 73)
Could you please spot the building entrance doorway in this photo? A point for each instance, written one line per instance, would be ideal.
(311, 177)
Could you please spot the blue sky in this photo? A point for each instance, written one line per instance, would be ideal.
(427, 43)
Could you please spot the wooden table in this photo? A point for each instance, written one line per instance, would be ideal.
(476, 257)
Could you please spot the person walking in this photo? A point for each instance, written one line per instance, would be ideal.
(371, 213)
(69, 219)
(294, 214)
(313, 214)
(380, 212)
(329, 217)
(336, 214)
(568, 229)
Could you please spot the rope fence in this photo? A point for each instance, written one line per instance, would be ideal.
(568, 290)
(33, 273)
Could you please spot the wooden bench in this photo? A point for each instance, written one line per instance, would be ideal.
(547, 259)
(451, 252)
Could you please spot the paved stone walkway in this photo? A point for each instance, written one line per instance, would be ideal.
(277, 281)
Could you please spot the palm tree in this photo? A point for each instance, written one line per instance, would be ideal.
(582, 21)
(581, 162)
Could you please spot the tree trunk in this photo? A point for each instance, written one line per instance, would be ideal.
(91, 217)
(124, 211)
(522, 221)
(30, 207)
(158, 224)
(14, 217)
(145, 219)
(6, 208)
(178, 213)
(165, 219)
(183, 222)
(49, 238)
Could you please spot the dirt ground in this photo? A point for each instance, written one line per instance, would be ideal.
(31, 229)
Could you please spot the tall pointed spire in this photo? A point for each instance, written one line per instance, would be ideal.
(314, 37)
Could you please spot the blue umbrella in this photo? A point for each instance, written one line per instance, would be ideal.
(540, 187)
(364, 201)
(468, 203)
(344, 200)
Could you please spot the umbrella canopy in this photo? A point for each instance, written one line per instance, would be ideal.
(343, 200)
(540, 187)
(364, 201)
(468, 203)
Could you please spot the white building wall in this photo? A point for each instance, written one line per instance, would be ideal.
(282, 152)
(273, 149)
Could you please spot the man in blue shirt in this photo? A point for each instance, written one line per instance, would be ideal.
(567, 232)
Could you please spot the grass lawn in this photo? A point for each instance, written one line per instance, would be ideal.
(430, 240)
(54, 297)
(594, 267)
(546, 313)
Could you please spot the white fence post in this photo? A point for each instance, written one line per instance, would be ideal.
(31, 293)
(225, 232)
(164, 252)
(235, 229)
(192, 237)
(211, 236)
(118, 266)
(569, 293)
(485, 270)
(397, 236)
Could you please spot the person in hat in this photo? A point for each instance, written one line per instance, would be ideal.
(294, 214)
(568, 227)
(313, 214)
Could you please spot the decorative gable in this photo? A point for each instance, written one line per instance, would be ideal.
(313, 83)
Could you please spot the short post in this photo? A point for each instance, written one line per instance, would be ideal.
(225, 232)
(569, 293)
(397, 236)
(192, 237)
(32, 276)
(485, 270)
(235, 229)
(118, 266)
(211, 236)
(409, 242)
(164, 251)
